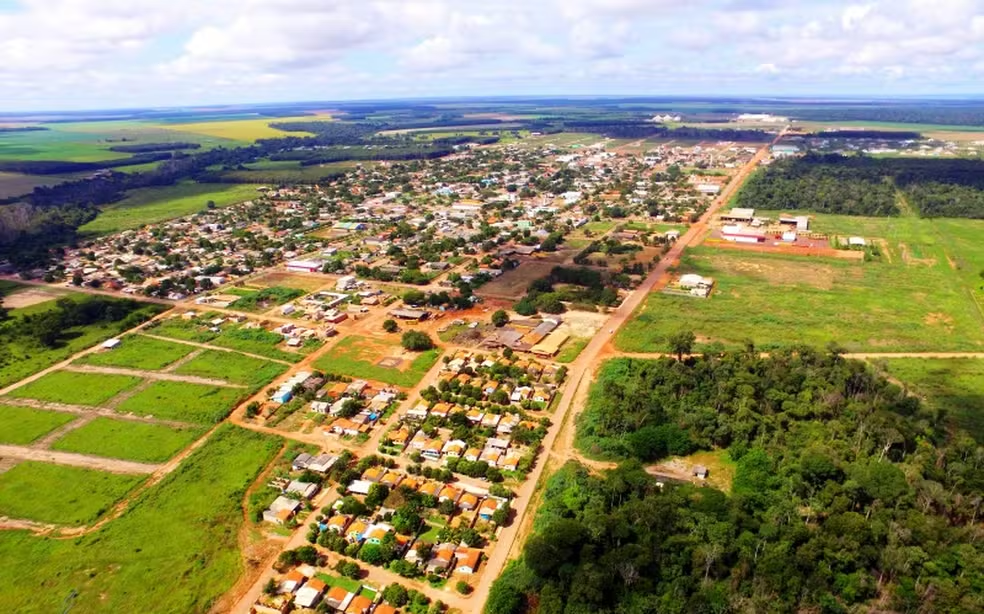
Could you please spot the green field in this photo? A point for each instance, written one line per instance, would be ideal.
(136, 441)
(181, 401)
(257, 341)
(952, 385)
(139, 352)
(23, 425)
(60, 494)
(25, 356)
(266, 299)
(183, 330)
(76, 388)
(288, 172)
(922, 295)
(174, 550)
(245, 129)
(572, 349)
(152, 205)
(232, 367)
(348, 358)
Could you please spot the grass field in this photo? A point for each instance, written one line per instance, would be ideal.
(60, 494)
(353, 357)
(152, 205)
(245, 130)
(257, 341)
(572, 349)
(174, 550)
(23, 425)
(232, 367)
(139, 352)
(25, 357)
(76, 388)
(184, 330)
(924, 294)
(181, 401)
(955, 386)
(136, 441)
(292, 172)
(17, 184)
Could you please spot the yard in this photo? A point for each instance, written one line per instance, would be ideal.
(59, 494)
(139, 352)
(922, 295)
(136, 441)
(572, 349)
(232, 367)
(75, 388)
(181, 401)
(359, 357)
(175, 549)
(23, 425)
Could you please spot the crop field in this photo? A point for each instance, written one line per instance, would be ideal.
(922, 295)
(358, 357)
(60, 495)
(23, 425)
(245, 130)
(232, 367)
(136, 441)
(24, 356)
(76, 388)
(952, 385)
(139, 352)
(182, 401)
(175, 549)
(287, 171)
(158, 204)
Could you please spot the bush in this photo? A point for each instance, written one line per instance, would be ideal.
(396, 595)
(463, 587)
(416, 341)
(390, 326)
(500, 318)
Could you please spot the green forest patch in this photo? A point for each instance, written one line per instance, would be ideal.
(76, 388)
(181, 401)
(23, 425)
(136, 441)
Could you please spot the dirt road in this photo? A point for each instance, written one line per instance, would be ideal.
(113, 465)
(152, 375)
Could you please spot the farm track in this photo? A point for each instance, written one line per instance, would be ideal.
(84, 410)
(206, 346)
(86, 461)
(153, 375)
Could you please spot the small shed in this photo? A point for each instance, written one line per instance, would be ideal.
(700, 472)
(111, 344)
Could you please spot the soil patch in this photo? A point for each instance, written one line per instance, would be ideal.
(29, 296)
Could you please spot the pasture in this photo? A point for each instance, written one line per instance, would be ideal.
(60, 495)
(232, 367)
(175, 549)
(72, 388)
(24, 425)
(359, 357)
(196, 403)
(291, 172)
(923, 294)
(136, 441)
(139, 352)
(151, 205)
(245, 130)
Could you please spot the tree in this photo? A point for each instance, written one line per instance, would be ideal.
(396, 595)
(416, 341)
(253, 409)
(390, 326)
(463, 587)
(414, 297)
(681, 343)
(525, 307)
(500, 318)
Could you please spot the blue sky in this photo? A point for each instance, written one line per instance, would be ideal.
(71, 54)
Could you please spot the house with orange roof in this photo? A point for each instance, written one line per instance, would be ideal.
(338, 598)
(490, 456)
(376, 533)
(419, 441)
(356, 532)
(467, 560)
(384, 608)
(338, 523)
(360, 604)
(399, 437)
(453, 448)
(488, 508)
(490, 387)
(449, 493)
(491, 420)
(474, 416)
(432, 451)
(292, 581)
(509, 463)
(440, 409)
(373, 474)
(309, 595)
(441, 558)
(410, 482)
(430, 488)
(391, 479)
(467, 502)
(418, 411)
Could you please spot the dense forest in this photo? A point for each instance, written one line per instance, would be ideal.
(884, 135)
(151, 147)
(861, 185)
(848, 496)
(937, 113)
(643, 129)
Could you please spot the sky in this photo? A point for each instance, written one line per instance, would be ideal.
(100, 54)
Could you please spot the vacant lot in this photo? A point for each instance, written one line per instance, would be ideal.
(136, 441)
(232, 367)
(921, 296)
(175, 549)
(76, 388)
(283, 279)
(514, 284)
(261, 342)
(265, 299)
(954, 386)
(23, 425)
(157, 204)
(359, 357)
(572, 349)
(184, 330)
(59, 494)
(184, 402)
(139, 352)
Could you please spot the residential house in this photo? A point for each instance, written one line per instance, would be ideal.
(338, 598)
(338, 523)
(496, 443)
(310, 594)
(360, 604)
(449, 493)
(467, 560)
(391, 479)
(305, 489)
(491, 420)
(488, 508)
(281, 510)
(292, 581)
(472, 454)
(373, 474)
(322, 463)
(399, 437)
(356, 532)
(467, 502)
(418, 411)
(441, 559)
(454, 448)
(376, 533)
(490, 456)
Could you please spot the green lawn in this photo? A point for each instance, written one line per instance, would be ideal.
(60, 494)
(183, 330)
(572, 349)
(136, 441)
(266, 299)
(76, 388)
(175, 550)
(23, 425)
(348, 584)
(157, 204)
(232, 367)
(955, 386)
(139, 352)
(25, 356)
(346, 359)
(257, 341)
(923, 295)
(180, 401)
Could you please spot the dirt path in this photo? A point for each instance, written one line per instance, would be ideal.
(152, 375)
(45, 442)
(86, 461)
(206, 346)
(84, 410)
(177, 364)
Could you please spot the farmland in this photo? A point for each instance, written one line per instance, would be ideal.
(358, 357)
(75, 388)
(185, 527)
(58, 494)
(150, 205)
(140, 352)
(181, 401)
(232, 367)
(23, 425)
(244, 130)
(136, 441)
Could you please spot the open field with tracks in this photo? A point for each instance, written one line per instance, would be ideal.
(359, 357)
(139, 352)
(136, 441)
(182, 401)
(23, 425)
(76, 388)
